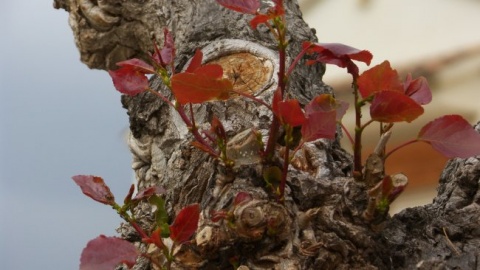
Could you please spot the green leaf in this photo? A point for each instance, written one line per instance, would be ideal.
(161, 215)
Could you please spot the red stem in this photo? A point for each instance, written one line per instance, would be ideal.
(275, 126)
(400, 146)
(357, 147)
(164, 98)
(253, 98)
(349, 136)
(299, 56)
(286, 162)
(139, 229)
(194, 130)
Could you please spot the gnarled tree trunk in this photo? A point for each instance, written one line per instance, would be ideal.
(320, 225)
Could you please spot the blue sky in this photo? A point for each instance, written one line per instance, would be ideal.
(57, 119)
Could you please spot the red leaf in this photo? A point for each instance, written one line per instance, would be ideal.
(147, 192)
(452, 136)
(155, 238)
(128, 80)
(379, 78)
(197, 88)
(243, 6)
(318, 125)
(392, 106)
(195, 62)
(278, 10)
(340, 55)
(277, 98)
(185, 223)
(95, 188)
(289, 112)
(129, 196)
(137, 65)
(261, 18)
(418, 89)
(342, 108)
(213, 71)
(105, 253)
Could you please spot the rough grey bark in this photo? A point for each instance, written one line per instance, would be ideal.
(320, 226)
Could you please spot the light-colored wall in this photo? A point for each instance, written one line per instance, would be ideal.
(441, 38)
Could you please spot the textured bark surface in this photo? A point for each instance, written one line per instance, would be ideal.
(320, 226)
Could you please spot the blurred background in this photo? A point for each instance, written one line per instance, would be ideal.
(59, 119)
(436, 39)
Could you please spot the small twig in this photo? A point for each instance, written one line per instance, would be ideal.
(452, 246)
(382, 143)
(369, 212)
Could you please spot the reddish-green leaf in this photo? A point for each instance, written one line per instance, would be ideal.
(323, 112)
(195, 62)
(185, 223)
(392, 106)
(418, 89)
(325, 103)
(452, 136)
(129, 80)
(161, 215)
(289, 112)
(168, 50)
(319, 124)
(95, 188)
(243, 6)
(379, 78)
(195, 88)
(105, 253)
